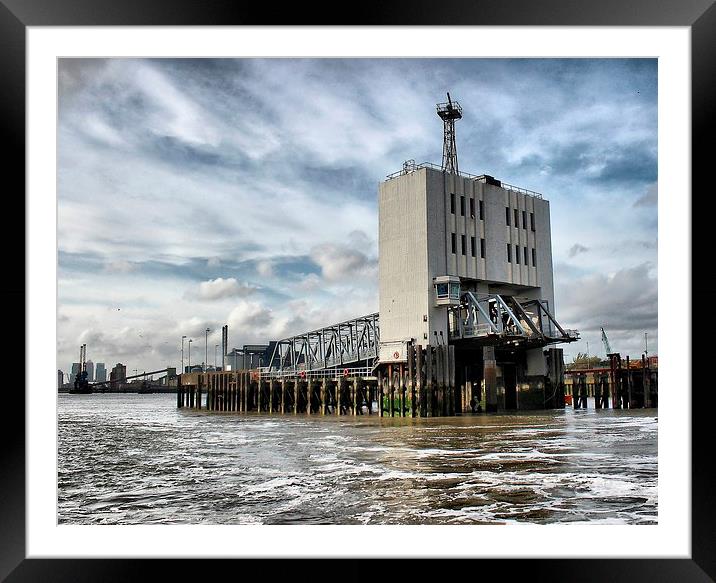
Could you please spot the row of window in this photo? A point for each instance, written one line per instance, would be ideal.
(508, 213)
(481, 206)
(473, 245)
(517, 255)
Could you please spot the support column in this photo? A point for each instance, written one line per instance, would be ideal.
(490, 376)
(324, 396)
(429, 383)
(418, 399)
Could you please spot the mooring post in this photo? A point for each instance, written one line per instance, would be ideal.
(179, 403)
(391, 391)
(628, 383)
(429, 380)
(440, 359)
(411, 378)
(357, 409)
(296, 389)
(309, 388)
(324, 395)
(339, 395)
(646, 381)
(401, 389)
(451, 378)
(418, 380)
(379, 389)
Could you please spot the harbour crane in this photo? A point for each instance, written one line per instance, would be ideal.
(605, 340)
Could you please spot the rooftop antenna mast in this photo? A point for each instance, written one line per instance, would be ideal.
(449, 112)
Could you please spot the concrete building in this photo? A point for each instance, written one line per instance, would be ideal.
(100, 373)
(251, 356)
(75, 369)
(60, 378)
(118, 374)
(467, 260)
(89, 367)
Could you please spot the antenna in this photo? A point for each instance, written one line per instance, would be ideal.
(449, 112)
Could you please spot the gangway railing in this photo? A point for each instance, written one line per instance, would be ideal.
(497, 318)
(343, 344)
(326, 373)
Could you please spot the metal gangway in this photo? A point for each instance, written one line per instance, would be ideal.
(497, 319)
(349, 345)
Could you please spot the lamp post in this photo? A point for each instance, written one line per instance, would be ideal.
(190, 341)
(215, 347)
(206, 349)
(182, 353)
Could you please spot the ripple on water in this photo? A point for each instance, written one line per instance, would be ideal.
(136, 459)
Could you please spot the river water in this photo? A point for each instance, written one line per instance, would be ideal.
(137, 459)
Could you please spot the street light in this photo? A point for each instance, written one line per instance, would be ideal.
(215, 347)
(206, 349)
(182, 353)
(190, 341)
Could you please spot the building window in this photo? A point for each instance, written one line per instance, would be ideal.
(534, 258)
(507, 215)
(509, 251)
(532, 221)
(524, 219)
(453, 242)
(482, 248)
(452, 202)
(472, 245)
(517, 219)
(472, 208)
(517, 254)
(526, 260)
(482, 211)
(462, 240)
(462, 206)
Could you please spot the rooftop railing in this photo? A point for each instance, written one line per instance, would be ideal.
(411, 166)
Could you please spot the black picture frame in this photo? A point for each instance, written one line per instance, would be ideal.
(17, 15)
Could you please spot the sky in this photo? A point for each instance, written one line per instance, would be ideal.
(194, 193)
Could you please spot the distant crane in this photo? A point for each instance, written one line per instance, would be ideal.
(81, 385)
(605, 340)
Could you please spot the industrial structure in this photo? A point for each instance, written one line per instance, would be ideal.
(466, 319)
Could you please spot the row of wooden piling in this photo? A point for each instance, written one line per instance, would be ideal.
(244, 391)
(421, 386)
(616, 385)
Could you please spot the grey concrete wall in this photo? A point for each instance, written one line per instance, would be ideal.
(404, 284)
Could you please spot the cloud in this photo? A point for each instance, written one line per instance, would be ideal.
(576, 249)
(220, 288)
(339, 261)
(120, 266)
(626, 301)
(649, 198)
(213, 262)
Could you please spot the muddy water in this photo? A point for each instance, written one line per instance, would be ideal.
(137, 459)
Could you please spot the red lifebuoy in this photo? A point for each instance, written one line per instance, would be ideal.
(303, 374)
(345, 372)
(396, 355)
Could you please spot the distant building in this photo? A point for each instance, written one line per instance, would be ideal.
(60, 378)
(100, 373)
(75, 370)
(89, 367)
(118, 375)
(251, 356)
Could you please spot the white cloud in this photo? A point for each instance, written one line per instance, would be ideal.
(220, 288)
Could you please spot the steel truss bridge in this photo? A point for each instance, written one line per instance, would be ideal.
(343, 345)
(499, 319)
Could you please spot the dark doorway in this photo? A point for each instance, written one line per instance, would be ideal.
(509, 375)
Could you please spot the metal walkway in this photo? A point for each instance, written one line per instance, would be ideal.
(347, 344)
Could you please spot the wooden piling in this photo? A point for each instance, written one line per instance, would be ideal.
(379, 390)
(296, 389)
(339, 395)
(429, 386)
(418, 393)
(451, 379)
